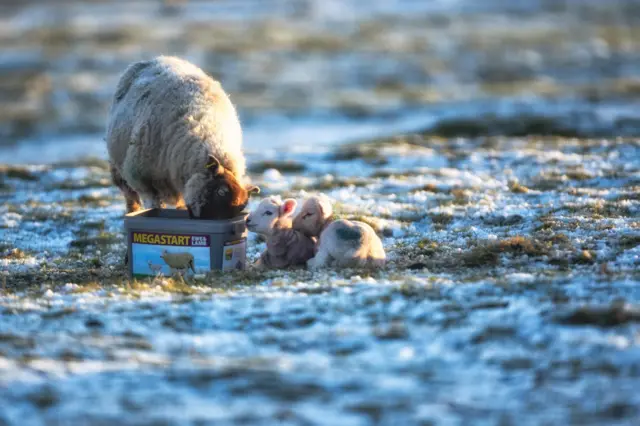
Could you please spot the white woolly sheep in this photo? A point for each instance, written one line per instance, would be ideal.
(178, 261)
(344, 243)
(174, 137)
(285, 246)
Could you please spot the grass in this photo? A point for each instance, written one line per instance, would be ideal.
(490, 125)
(5, 187)
(84, 184)
(518, 188)
(102, 239)
(600, 209)
(369, 152)
(430, 187)
(17, 172)
(427, 247)
(97, 225)
(489, 254)
(83, 162)
(627, 242)
(281, 166)
(442, 219)
(13, 254)
(329, 184)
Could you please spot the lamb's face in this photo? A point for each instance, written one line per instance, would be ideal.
(312, 217)
(264, 219)
(215, 193)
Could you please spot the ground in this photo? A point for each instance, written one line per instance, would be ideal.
(492, 144)
(511, 295)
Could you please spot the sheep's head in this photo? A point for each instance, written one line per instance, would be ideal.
(271, 213)
(315, 212)
(216, 193)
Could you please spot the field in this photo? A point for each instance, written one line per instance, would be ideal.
(505, 187)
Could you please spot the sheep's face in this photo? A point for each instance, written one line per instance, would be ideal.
(312, 217)
(215, 193)
(269, 215)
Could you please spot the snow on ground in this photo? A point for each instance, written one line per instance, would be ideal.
(511, 296)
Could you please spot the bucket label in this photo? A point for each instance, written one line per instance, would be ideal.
(234, 255)
(154, 253)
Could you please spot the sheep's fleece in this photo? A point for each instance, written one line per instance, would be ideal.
(181, 260)
(167, 120)
(342, 243)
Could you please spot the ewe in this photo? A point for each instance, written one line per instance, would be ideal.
(173, 136)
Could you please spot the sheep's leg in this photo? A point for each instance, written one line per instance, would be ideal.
(152, 200)
(180, 205)
(321, 259)
(131, 197)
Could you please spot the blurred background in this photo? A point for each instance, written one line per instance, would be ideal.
(310, 72)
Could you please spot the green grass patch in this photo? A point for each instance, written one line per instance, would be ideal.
(17, 172)
(627, 242)
(100, 240)
(489, 254)
(281, 166)
(490, 125)
(83, 162)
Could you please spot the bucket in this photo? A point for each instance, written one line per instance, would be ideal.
(167, 242)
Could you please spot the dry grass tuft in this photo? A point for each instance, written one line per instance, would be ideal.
(489, 254)
(517, 188)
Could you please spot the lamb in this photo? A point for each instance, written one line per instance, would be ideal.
(155, 269)
(344, 243)
(173, 136)
(285, 246)
(178, 261)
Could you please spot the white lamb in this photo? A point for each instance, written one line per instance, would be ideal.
(285, 246)
(343, 243)
(174, 137)
(155, 269)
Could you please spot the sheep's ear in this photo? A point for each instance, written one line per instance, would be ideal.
(214, 165)
(288, 206)
(325, 207)
(253, 189)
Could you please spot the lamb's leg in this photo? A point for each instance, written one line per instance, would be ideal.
(321, 259)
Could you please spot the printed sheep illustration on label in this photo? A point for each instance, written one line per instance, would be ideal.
(156, 254)
(182, 261)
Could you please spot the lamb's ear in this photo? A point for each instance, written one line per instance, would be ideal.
(288, 207)
(252, 189)
(213, 164)
(324, 205)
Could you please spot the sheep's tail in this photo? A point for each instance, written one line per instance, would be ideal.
(128, 77)
(192, 266)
